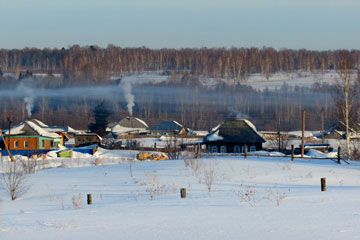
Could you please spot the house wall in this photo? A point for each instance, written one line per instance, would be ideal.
(230, 147)
(48, 143)
(85, 140)
(32, 142)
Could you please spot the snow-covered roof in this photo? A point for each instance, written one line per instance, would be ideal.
(41, 131)
(38, 122)
(119, 129)
(129, 124)
(214, 136)
(20, 129)
(60, 129)
(235, 131)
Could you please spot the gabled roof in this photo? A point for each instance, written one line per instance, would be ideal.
(167, 126)
(24, 127)
(38, 122)
(129, 124)
(235, 131)
(132, 122)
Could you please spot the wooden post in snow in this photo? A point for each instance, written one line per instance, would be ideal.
(89, 199)
(303, 134)
(292, 152)
(338, 155)
(183, 192)
(245, 151)
(323, 184)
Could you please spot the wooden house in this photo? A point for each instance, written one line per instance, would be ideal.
(86, 139)
(168, 128)
(29, 136)
(338, 131)
(233, 136)
(128, 126)
(64, 131)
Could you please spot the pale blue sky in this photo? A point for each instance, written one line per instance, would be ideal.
(312, 24)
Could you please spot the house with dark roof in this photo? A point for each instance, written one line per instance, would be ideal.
(168, 128)
(233, 136)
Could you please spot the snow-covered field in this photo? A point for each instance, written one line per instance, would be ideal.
(253, 198)
(279, 79)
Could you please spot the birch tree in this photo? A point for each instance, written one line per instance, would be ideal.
(346, 97)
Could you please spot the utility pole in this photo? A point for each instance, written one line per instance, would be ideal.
(303, 134)
(279, 135)
(322, 125)
(9, 118)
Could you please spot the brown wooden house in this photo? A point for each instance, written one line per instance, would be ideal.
(29, 136)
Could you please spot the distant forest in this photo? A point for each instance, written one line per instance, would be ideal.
(182, 98)
(95, 65)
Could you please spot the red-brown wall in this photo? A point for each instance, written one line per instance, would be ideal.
(33, 142)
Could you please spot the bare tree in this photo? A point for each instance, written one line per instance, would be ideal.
(346, 95)
(14, 180)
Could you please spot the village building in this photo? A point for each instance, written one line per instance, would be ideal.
(233, 136)
(66, 132)
(128, 127)
(86, 139)
(338, 131)
(30, 136)
(171, 128)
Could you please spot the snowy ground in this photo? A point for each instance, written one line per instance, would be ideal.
(277, 80)
(253, 198)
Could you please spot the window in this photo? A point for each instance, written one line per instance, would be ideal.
(43, 143)
(243, 149)
(252, 148)
(16, 144)
(223, 149)
(26, 144)
(214, 149)
(237, 149)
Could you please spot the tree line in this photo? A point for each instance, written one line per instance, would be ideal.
(95, 65)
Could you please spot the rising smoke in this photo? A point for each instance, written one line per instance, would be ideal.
(25, 86)
(128, 81)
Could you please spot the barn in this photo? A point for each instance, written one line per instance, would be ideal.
(232, 137)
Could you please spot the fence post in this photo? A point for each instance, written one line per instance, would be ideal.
(245, 151)
(183, 192)
(338, 155)
(323, 184)
(292, 152)
(89, 199)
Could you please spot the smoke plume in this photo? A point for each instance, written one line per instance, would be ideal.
(25, 86)
(29, 101)
(127, 82)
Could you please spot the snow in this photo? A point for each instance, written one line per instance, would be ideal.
(19, 129)
(141, 121)
(120, 129)
(214, 136)
(252, 126)
(41, 131)
(254, 198)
